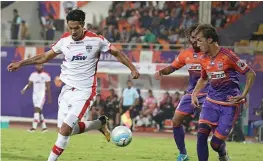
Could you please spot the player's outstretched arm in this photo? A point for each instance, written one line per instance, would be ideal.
(165, 71)
(29, 85)
(124, 60)
(39, 59)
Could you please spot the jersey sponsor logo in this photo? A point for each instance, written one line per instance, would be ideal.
(216, 75)
(78, 57)
(88, 48)
(194, 66)
(241, 64)
(220, 66)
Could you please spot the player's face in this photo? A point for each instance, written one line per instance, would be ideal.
(129, 84)
(202, 42)
(75, 29)
(193, 39)
(39, 67)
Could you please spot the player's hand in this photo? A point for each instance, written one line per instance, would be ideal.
(23, 91)
(236, 99)
(13, 66)
(195, 101)
(135, 74)
(158, 75)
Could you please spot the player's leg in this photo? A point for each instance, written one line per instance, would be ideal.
(209, 116)
(228, 116)
(81, 109)
(42, 118)
(184, 108)
(36, 120)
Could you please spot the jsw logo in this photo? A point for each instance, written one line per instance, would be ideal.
(79, 58)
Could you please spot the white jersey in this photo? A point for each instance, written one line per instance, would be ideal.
(39, 82)
(79, 68)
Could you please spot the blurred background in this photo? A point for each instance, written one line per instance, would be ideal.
(150, 33)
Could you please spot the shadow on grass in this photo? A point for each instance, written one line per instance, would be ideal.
(20, 157)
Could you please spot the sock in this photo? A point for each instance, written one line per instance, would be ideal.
(58, 148)
(86, 126)
(202, 136)
(35, 120)
(44, 126)
(179, 139)
(218, 145)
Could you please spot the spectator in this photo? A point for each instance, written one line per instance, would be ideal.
(149, 37)
(150, 104)
(125, 35)
(165, 112)
(259, 123)
(145, 20)
(174, 21)
(164, 34)
(129, 99)
(98, 107)
(111, 20)
(133, 34)
(165, 97)
(15, 24)
(173, 36)
(219, 21)
(112, 109)
(156, 20)
(139, 106)
(176, 99)
(116, 35)
(133, 19)
(24, 31)
(49, 28)
(110, 34)
(187, 21)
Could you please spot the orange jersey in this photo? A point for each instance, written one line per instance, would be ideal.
(223, 71)
(191, 59)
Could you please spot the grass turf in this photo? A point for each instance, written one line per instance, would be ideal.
(19, 145)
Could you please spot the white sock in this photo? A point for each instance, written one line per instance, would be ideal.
(86, 126)
(35, 120)
(44, 126)
(58, 148)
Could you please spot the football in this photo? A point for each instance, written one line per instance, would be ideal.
(121, 136)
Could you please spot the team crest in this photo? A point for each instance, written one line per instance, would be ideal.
(241, 64)
(88, 48)
(195, 55)
(220, 66)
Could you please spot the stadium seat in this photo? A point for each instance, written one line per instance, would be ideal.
(254, 44)
(244, 43)
(260, 30)
(260, 46)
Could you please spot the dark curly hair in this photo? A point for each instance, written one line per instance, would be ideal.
(76, 15)
(189, 31)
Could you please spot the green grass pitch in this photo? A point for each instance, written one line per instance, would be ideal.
(19, 145)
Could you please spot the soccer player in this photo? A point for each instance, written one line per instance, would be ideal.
(40, 81)
(221, 68)
(191, 58)
(81, 49)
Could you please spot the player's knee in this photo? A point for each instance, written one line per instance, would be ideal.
(65, 129)
(177, 120)
(203, 129)
(216, 143)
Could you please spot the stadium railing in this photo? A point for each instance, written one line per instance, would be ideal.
(128, 46)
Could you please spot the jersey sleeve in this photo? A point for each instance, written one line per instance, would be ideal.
(203, 73)
(179, 62)
(238, 64)
(105, 45)
(47, 77)
(31, 77)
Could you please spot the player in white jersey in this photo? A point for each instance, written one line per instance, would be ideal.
(81, 49)
(40, 81)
